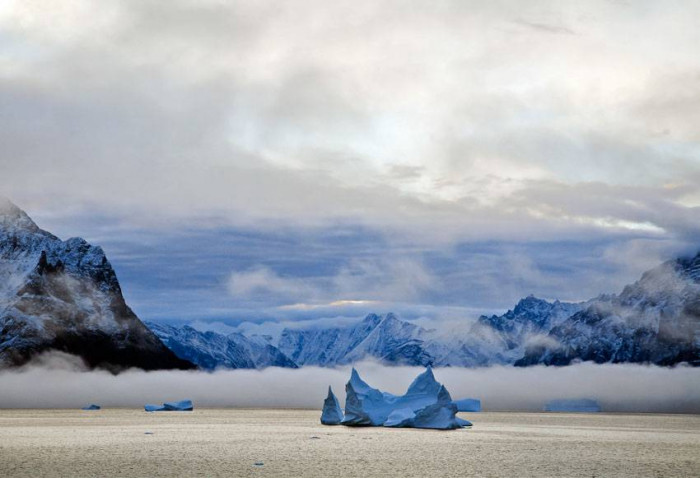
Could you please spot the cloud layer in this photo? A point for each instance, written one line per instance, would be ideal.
(60, 381)
(387, 114)
(553, 140)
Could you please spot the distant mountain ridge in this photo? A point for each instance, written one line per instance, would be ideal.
(64, 295)
(655, 320)
(384, 337)
(211, 350)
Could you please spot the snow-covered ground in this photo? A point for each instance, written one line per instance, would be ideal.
(245, 442)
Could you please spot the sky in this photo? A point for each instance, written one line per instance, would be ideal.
(273, 161)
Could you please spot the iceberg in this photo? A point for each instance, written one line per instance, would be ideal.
(92, 406)
(440, 414)
(426, 404)
(468, 405)
(577, 405)
(364, 405)
(181, 406)
(463, 422)
(332, 413)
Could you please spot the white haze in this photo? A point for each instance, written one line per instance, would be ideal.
(60, 381)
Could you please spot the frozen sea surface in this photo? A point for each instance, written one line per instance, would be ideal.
(293, 443)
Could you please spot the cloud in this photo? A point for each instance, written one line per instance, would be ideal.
(420, 120)
(263, 283)
(357, 283)
(394, 152)
(58, 383)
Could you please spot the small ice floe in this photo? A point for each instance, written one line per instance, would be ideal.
(92, 406)
(181, 406)
(576, 405)
(426, 404)
(468, 405)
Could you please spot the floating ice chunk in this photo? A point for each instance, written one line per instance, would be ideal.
(332, 413)
(426, 404)
(464, 423)
(468, 405)
(181, 406)
(92, 406)
(580, 405)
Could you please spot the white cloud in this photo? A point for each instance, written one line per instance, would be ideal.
(359, 284)
(253, 111)
(263, 283)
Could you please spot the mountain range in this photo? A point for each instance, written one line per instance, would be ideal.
(656, 320)
(64, 295)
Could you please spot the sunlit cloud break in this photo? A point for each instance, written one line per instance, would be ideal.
(335, 303)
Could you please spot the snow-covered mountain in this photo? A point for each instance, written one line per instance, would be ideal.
(210, 350)
(655, 320)
(64, 295)
(382, 337)
(491, 340)
(503, 339)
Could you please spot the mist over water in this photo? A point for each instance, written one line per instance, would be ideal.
(61, 381)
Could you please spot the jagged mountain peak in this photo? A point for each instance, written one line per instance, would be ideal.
(372, 319)
(531, 304)
(14, 219)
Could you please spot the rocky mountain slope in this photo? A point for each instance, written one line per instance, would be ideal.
(655, 320)
(64, 295)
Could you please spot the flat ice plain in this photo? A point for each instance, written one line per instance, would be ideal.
(293, 443)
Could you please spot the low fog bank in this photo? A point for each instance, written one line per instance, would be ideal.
(60, 381)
